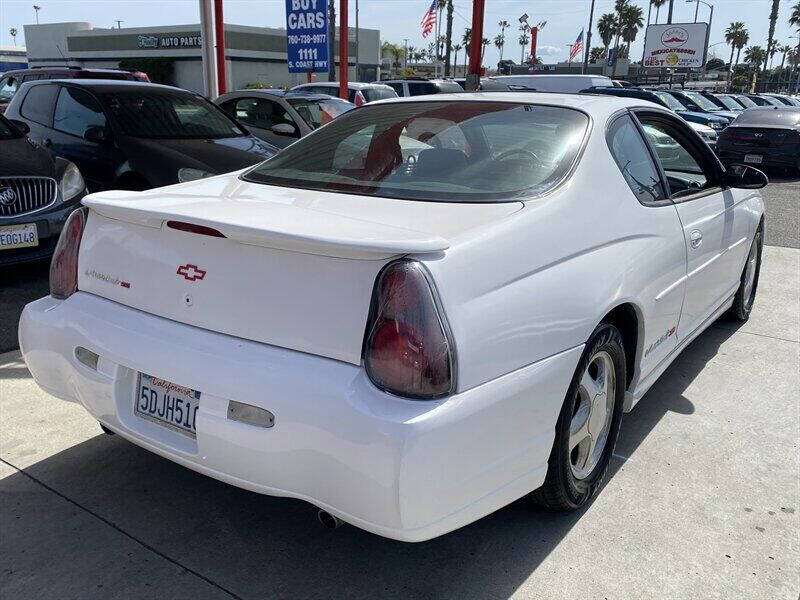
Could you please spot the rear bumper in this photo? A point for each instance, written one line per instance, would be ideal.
(771, 157)
(403, 469)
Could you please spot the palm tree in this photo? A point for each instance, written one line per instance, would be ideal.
(794, 19)
(773, 17)
(606, 26)
(13, 32)
(784, 50)
(523, 41)
(440, 6)
(485, 42)
(741, 42)
(658, 4)
(632, 19)
(448, 46)
(596, 53)
(499, 42)
(754, 56)
(732, 35)
(456, 49)
(620, 6)
(503, 26)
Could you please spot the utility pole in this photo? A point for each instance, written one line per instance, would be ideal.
(473, 77)
(331, 40)
(669, 13)
(588, 41)
(119, 23)
(448, 38)
(344, 46)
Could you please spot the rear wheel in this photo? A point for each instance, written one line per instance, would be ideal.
(588, 425)
(748, 283)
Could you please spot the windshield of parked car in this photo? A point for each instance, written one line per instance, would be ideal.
(440, 151)
(745, 101)
(670, 101)
(703, 102)
(7, 132)
(318, 112)
(729, 102)
(167, 115)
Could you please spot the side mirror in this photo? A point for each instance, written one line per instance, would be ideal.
(96, 134)
(20, 126)
(284, 129)
(745, 177)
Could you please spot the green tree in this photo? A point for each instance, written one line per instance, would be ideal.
(794, 20)
(503, 26)
(631, 20)
(773, 18)
(499, 42)
(13, 33)
(606, 26)
(736, 35)
(658, 4)
(456, 49)
(440, 6)
(596, 53)
(523, 41)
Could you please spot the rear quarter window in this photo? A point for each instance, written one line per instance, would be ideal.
(38, 104)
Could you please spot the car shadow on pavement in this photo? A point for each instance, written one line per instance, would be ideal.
(258, 546)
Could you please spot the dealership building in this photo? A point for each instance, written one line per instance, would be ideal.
(252, 54)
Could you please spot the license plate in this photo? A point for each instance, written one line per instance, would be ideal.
(753, 158)
(165, 403)
(18, 236)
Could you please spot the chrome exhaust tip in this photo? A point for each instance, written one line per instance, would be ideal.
(328, 520)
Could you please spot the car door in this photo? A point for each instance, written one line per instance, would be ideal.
(261, 115)
(713, 217)
(36, 109)
(77, 110)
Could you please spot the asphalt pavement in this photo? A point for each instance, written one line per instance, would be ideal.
(702, 500)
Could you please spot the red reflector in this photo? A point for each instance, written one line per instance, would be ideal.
(192, 228)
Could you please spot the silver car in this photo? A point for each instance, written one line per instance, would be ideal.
(281, 117)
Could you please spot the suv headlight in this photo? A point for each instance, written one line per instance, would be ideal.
(71, 183)
(187, 174)
(715, 125)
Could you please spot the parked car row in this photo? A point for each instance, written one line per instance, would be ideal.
(125, 134)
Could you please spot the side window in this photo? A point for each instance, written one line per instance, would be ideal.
(8, 86)
(420, 88)
(634, 160)
(397, 86)
(76, 111)
(680, 160)
(261, 113)
(38, 104)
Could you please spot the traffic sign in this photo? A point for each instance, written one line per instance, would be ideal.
(307, 36)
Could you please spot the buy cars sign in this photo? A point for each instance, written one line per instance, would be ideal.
(676, 45)
(307, 36)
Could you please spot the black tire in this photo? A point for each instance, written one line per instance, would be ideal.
(743, 306)
(561, 490)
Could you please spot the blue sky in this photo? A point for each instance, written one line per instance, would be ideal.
(398, 19)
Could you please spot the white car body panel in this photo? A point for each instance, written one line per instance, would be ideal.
(279, 318)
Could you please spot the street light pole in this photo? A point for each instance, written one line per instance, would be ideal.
(37, 9)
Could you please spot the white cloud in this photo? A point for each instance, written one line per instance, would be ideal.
(547, 50)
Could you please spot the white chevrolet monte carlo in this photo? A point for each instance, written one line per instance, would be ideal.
(415, 315)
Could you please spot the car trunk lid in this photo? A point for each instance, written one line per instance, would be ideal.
(295, 268)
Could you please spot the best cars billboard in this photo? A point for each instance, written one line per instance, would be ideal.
(676, 45)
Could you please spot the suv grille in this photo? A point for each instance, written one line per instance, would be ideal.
(21, 195)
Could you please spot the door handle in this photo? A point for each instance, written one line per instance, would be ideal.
(696, 238)
(47, 142)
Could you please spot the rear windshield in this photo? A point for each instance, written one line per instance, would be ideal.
(378, 93)
(557, 83)
(440, 151)
(166, 115)
(318, 112)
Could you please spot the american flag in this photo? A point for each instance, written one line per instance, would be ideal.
(577, 47)
(429, 20)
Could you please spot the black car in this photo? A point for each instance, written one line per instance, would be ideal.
(764, 136)
(698, 103)
(132, 135)
(37, 194)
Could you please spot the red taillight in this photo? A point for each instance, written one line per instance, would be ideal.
(359, 99)
(192, 228)
(64, 266)
(407, 351)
